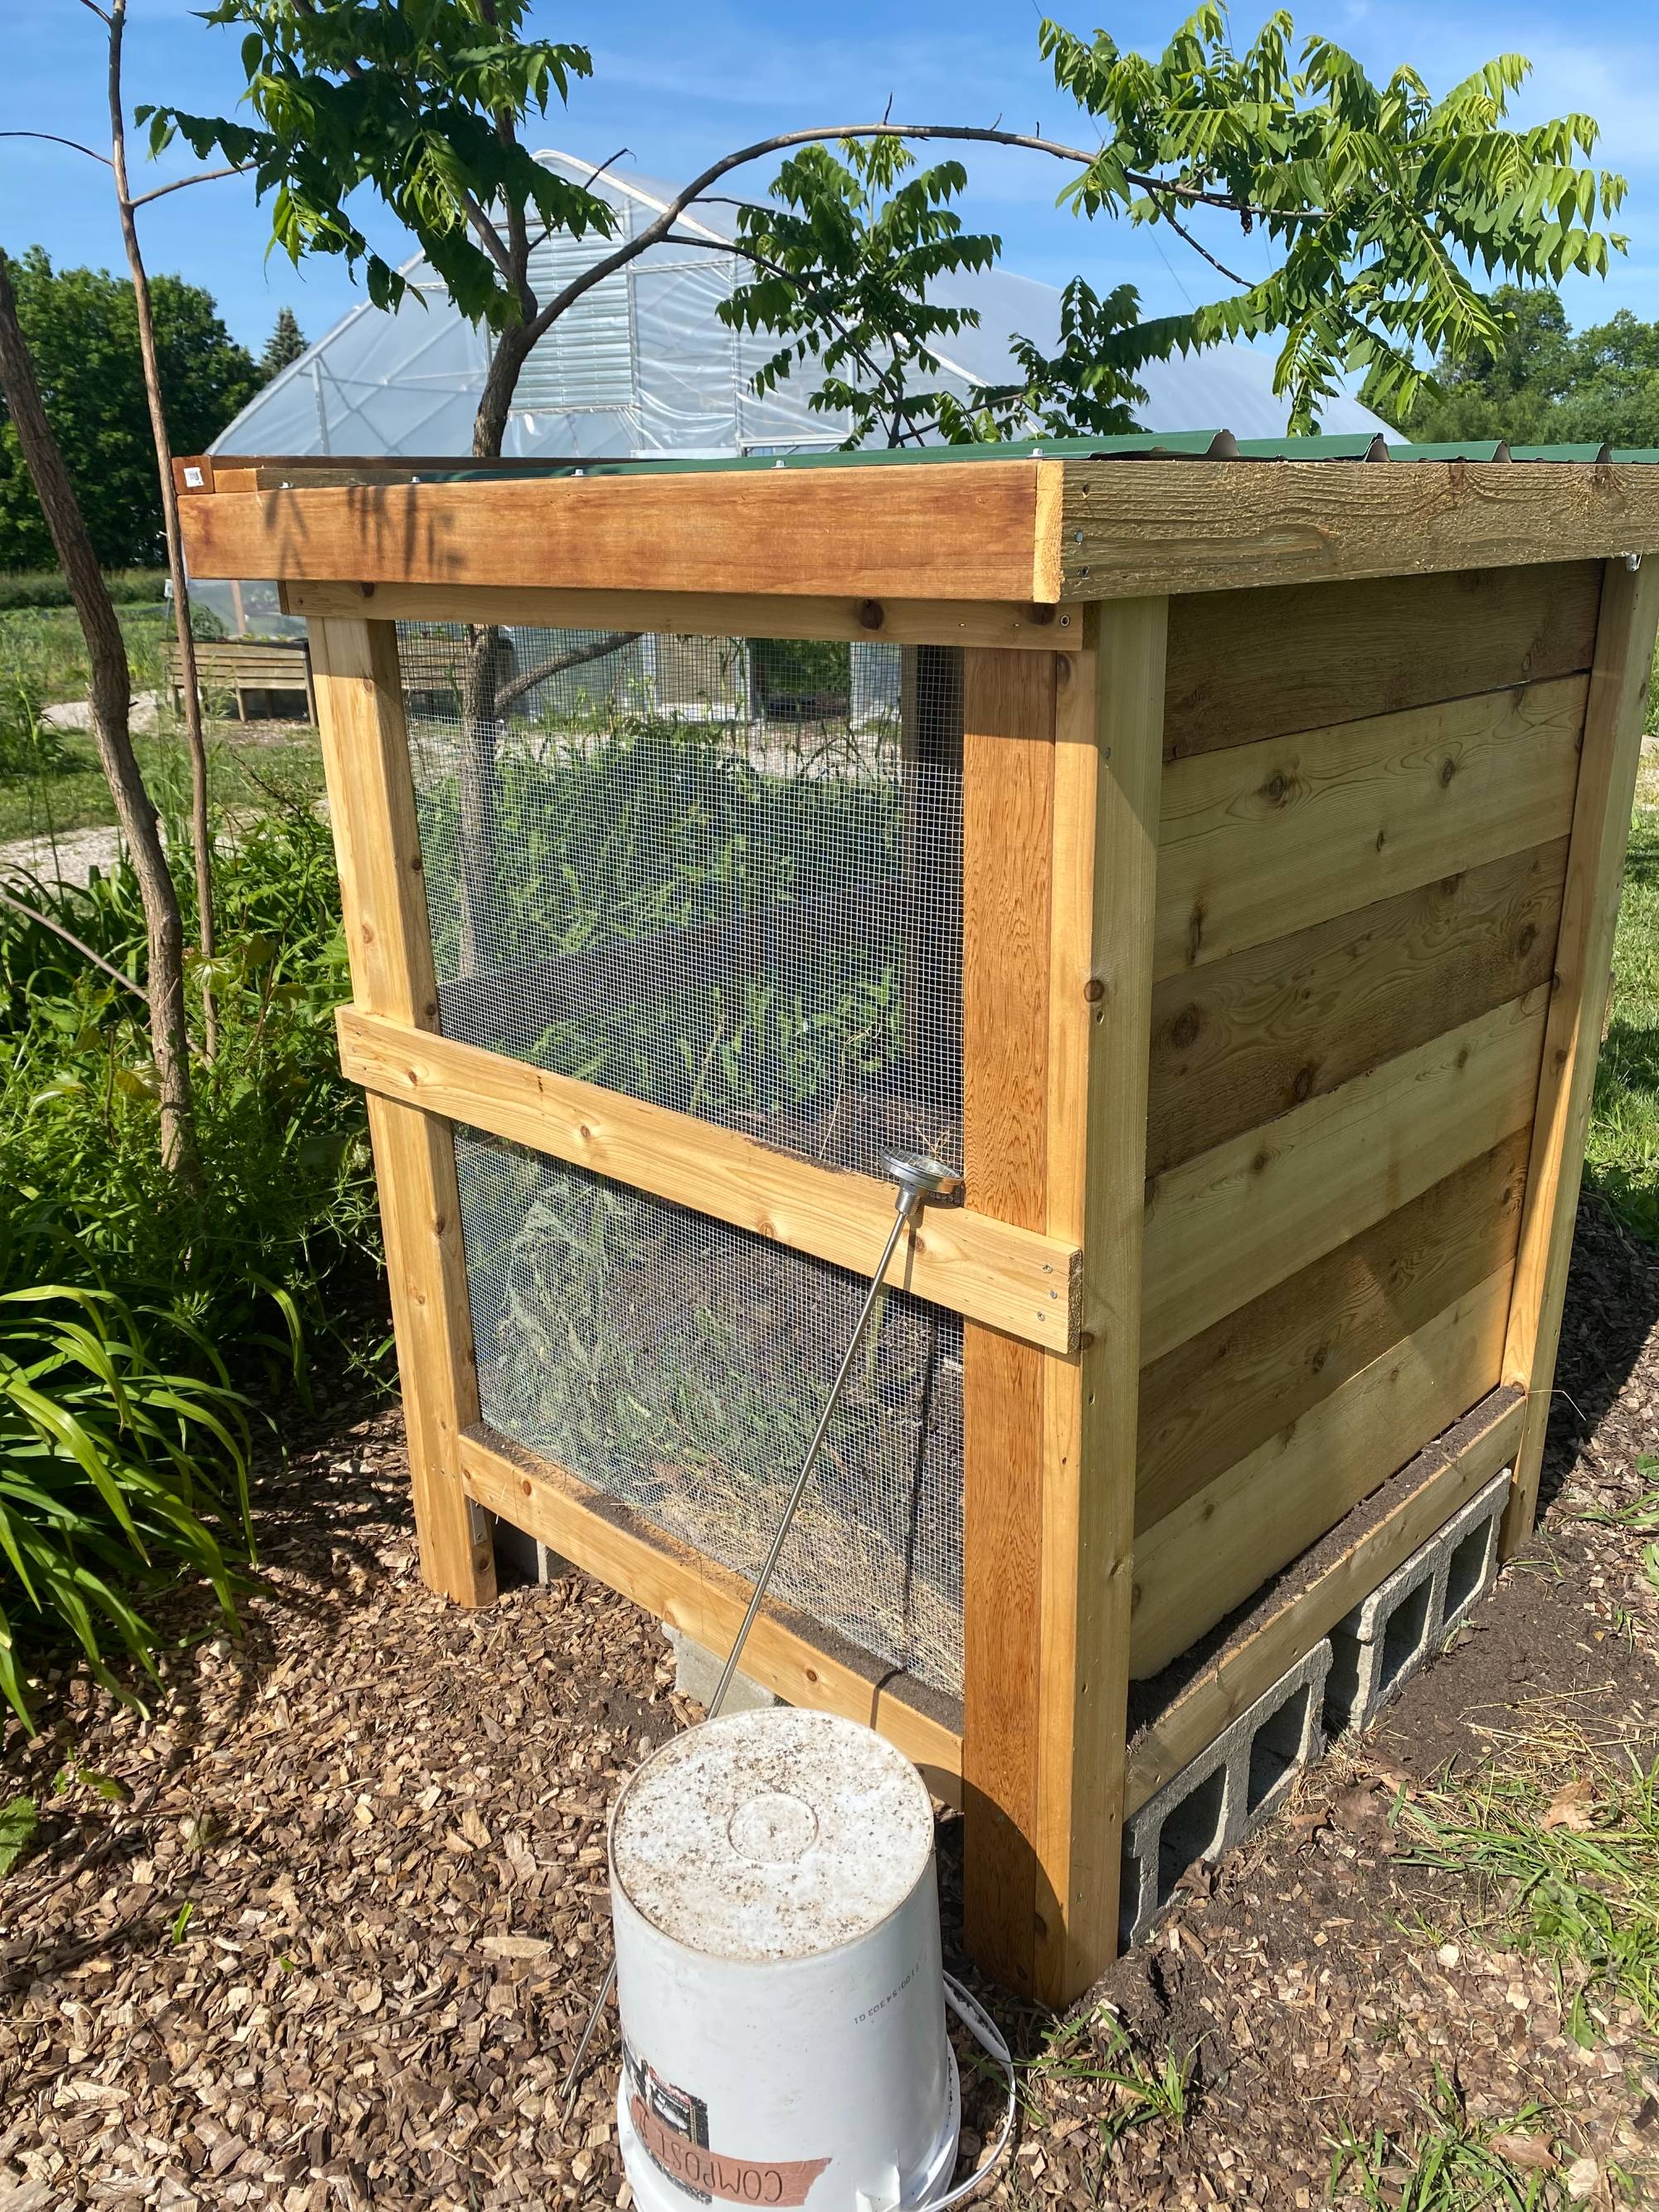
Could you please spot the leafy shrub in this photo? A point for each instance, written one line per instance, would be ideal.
(121, 1446)
(128, 588)
(134, 1311)
(285, 1195)
(28, 749)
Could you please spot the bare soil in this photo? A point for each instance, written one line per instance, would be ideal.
(333, 1944)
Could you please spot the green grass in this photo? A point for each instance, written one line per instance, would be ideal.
(1562, 1846)
(46, 587)
(1621, 1158)
(51, 783)
(1454, 2163)
(243, 774)
(43, 655)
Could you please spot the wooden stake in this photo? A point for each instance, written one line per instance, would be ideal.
(1610, 754)
(377, 840)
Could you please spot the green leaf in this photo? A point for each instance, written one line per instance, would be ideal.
(18, 1821)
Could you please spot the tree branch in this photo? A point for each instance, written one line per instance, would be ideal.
(489, 237)
(577, 657)
(34, 913)
(883, 380)
(655, 232)
(1204, 253)
(53, 138)
(201, 177)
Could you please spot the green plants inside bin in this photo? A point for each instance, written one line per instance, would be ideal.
(683, 1365)
(665, 836)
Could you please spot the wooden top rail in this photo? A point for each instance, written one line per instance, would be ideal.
(1028, 1284)
(1017, 531)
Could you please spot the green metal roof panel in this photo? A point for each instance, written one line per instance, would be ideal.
(1557, 452)
(1147, 444)
(1140, 445)
(1452, 449)
(1356, 446)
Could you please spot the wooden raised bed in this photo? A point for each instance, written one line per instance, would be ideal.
(1293, 801)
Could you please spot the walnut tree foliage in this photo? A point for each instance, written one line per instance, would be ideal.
(1374, 201)
(418, 102)
(1371, 215)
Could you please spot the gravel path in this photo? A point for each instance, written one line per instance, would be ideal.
(67, 857)
(333, 1947)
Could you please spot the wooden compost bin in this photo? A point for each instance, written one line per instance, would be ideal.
(1293, 802)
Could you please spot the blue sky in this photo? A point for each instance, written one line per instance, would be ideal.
(678, 84)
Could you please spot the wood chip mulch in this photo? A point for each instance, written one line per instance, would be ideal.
(322, 1931)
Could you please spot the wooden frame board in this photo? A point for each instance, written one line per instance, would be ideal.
(703, 1601)
(1609, 757)
(1015, 531)
(1019, 1280)
(383, 899)
(1027, 627)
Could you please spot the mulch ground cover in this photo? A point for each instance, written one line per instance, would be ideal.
(321, 1931)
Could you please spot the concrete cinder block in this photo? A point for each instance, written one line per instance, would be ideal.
(526, 1558)
(1408, 1616)
(697, 1671)
(1224, 1793)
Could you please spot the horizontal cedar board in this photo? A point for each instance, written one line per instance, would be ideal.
(700, 1599)
(1228, 1389)
(1207, 1556)
(1237, 1040)
(1015, 1279)
(1262, 663)
(690, 614)
(1226, 1227)
(1129, 527)
(952, 533)
(1452, 1471)
(1267, 839)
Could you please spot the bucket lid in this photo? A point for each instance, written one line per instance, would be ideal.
(772, 1834)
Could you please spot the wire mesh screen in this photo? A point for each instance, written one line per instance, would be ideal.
(680, 1365)
(722, 874)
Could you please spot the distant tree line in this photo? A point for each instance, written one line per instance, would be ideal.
(1548, 384)
(82, 330)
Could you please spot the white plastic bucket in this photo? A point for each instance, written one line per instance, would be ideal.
(778, 1971)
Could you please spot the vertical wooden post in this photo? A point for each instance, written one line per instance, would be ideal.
(1108, 776)
(1609, 759)
(377, 842)
(1007, 858)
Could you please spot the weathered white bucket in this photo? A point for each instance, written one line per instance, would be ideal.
(778, 1971)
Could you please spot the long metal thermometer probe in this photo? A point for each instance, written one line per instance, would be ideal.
(918, 1179)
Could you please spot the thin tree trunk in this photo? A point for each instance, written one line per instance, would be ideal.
(480, 702)
(200, 827)
(112, 697)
